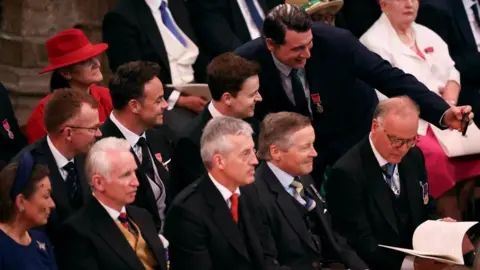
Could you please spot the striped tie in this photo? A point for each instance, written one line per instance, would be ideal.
(297, 186)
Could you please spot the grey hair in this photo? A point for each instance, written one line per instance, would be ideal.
(98, 158)
(401, 106)
(214, 138)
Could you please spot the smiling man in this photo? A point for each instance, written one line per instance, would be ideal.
(233, 83)
(378, 192)
(313, 69)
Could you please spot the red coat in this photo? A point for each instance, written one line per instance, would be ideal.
(35, 129)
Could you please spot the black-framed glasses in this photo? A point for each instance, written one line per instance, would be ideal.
(397, 142)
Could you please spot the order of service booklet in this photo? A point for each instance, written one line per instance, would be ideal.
(438, 240)
(193, 89)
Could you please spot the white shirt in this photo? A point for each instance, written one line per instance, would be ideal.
(226, 193)
(471, 19)
(60, 159)
(180, 58)
(287, 81)
(252, 27)
(213, 111)
(408, 262)
(114, 214)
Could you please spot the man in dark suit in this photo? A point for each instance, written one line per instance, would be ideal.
(224, 25)
(458, 23)
(161, 33)
(138, 105)
(209, 225)
(11, 138)
(314, 69)
(71, 120)
(292, 208)
(357, 22)
(378, 192)
(108, 233)
(233, 83)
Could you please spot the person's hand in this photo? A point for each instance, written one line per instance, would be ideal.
(453, 116)
(450, 92)
(448, 219)
(428, 264)
(193, 103)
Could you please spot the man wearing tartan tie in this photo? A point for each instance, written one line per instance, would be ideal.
(293, 209)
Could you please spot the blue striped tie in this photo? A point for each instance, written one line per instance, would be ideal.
(297, 186)
(388, 170)
(257, 19)
(168, 22)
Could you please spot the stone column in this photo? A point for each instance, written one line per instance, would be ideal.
(26, 24)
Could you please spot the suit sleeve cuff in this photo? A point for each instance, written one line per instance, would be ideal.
(408, 263)
(172, 99)
(441, 120)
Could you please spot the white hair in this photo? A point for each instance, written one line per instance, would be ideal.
(214, 138)
(98, 160)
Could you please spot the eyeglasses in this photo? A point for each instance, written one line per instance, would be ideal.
(397, 142)
(91, 129)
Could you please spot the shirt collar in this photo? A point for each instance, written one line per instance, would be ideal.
(468, 3)
(154, 5)
(112, 212)
(131, 137)
(226, 194)
(60, 159)
(284, 178)
(213, 111)
(381, 161)
(281, 66)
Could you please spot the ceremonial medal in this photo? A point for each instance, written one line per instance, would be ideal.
(424, 192)
(318, 103)
(6, 126)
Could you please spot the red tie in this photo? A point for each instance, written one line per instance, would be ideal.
(234, 208)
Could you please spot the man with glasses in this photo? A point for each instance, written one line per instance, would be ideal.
(378, 191)
(72, 123)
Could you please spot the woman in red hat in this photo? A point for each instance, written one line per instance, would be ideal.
(74, 63)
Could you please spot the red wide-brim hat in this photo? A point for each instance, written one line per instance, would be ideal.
(69, 47)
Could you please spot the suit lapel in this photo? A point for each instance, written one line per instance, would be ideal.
(106, 229)
(148, 232)
(148, 24)
(59, 190)
(284, 201)
(162, 171)
(83, 181)
(377, 185)
(411, 188)
(461, 19)
(222, 216)
(252, 238)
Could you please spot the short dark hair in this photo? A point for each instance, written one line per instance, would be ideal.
(227, 73)
(57, 81)
(283, 17)
(129, 81)
(63, 104)
(7, 203)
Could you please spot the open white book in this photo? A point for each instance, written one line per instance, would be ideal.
(193, 89)
(438, 240)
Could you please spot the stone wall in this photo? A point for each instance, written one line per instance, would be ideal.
(25, 25)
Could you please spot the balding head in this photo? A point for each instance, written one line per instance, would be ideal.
(394, 127)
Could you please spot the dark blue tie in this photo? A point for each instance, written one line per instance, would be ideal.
(168, 22)
(388, 170)
(252, 9)
(298, 90)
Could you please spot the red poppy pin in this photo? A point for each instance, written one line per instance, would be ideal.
(159, 157)
(6, 126)
(429, 50)
(315, 98)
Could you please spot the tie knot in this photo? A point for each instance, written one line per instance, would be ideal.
(294, 72)
(70, 166)
(388, 169)
(142, 142)
(296, 183)
(123, 217)
(163, 5)
(234, 197)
